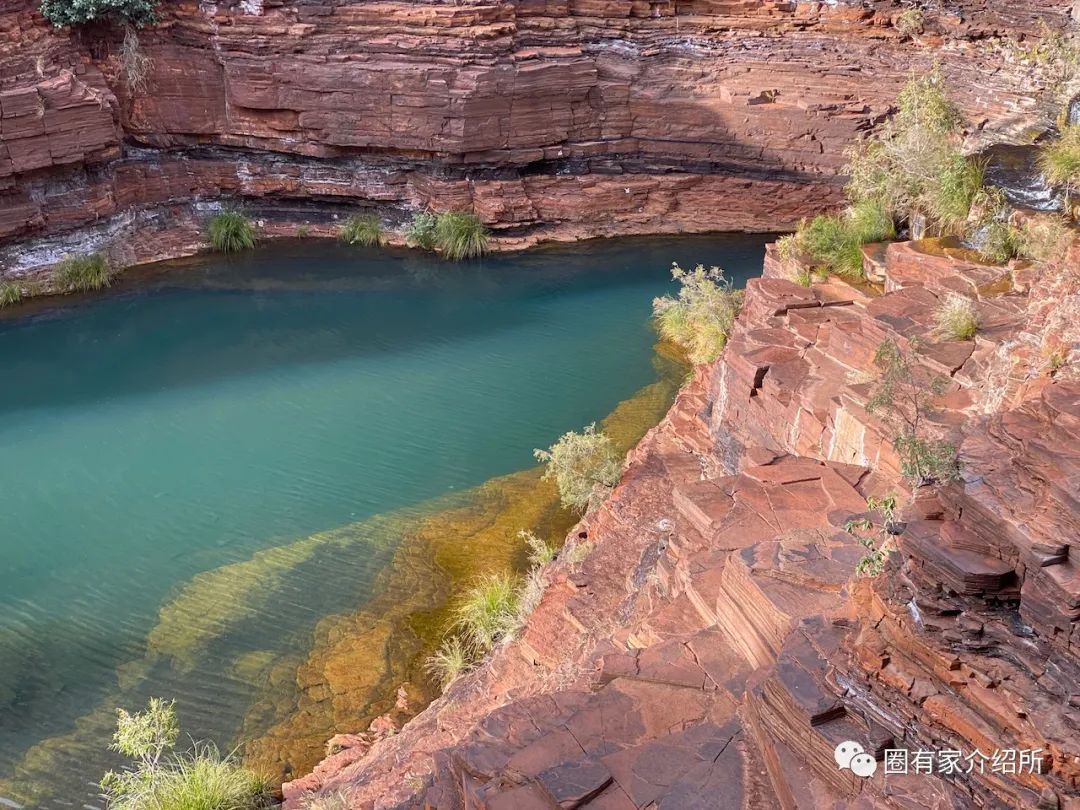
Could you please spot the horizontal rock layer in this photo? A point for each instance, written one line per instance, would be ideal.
(560, 118)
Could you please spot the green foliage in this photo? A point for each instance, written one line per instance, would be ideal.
(450, 661)
(832, 243)
(160, 779)
(957, 318)
(231, 232)
(584, 465)
(540, 552)
(10, 294)
(702, 317)
(878, 544)
(460, 235)
(363, 229)
(421, 231)
(1059, 160)
(77, 12)
(914, 165)
(488, 613)
(82, 273)
(903, 394)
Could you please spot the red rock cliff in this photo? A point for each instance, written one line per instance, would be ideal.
(554, 118)
(715, 646)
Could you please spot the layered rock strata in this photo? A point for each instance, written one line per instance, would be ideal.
(715, 645)
(549, 119)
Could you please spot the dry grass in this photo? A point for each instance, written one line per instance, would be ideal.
(956, 318)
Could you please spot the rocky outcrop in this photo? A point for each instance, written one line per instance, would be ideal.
(715, 645)
(549, 119)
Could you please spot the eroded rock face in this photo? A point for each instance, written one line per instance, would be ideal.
(716, 646)
(550, 119)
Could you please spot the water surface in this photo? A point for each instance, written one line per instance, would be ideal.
(217, 413)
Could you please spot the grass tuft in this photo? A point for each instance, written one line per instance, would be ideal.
(460, 235)
(10, 294)
(363, 229)
(956, 318)
(82, 273)
(488, 613)
(450, 661)
(231, 232)
(1059, 160)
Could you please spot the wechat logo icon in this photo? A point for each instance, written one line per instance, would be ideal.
(849, 754)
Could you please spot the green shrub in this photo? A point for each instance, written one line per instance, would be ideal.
(460, 235)
(363, 229)
(947, 202)
(488, 613)
(76, 12)
(957, 318)
(450, 661)
(832, 245)
(913, 165)
(161, 779)
(585, 467)
(82, 273)
(10, 294)
(1059, 160)
(702, 317)
(421, 231)
(231, 232)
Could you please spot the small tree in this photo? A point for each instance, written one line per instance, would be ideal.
(584, 465)
(702, 317)
(903, 395)
(160, 778)
(879, 544)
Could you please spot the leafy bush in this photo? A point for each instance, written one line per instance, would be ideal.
(913, 166)
(956, 318)
(82, 273)
(833, 242)
(460, 235)
(450, 661)
(584, 465)
(903, 395)
(160, 779)
(421, 231)
(76, 12)
(701, 318)
(231, 232)
(10, 294)
(1059, 160)
(488, 613)
(363, 229)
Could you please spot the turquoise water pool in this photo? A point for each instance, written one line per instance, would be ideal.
(193, 418)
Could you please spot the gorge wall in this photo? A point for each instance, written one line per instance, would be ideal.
(715, 645)
(549, 118)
